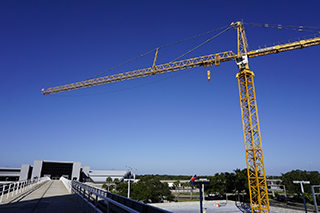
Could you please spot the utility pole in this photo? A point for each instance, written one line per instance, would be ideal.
(302, 190)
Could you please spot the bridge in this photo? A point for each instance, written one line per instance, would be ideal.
(46, 195)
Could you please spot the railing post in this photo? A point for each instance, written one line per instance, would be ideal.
(3, 188)
(17, 189)
(9, 190)
(20, 188)
(14, 186)
(96, 203)
(87, 209)
(83, 195)
(108, 206)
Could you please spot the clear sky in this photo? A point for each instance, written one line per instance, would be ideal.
(175, 123)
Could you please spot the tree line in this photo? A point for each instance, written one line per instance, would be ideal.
(294, 190)
(169, 177)
(149, 188)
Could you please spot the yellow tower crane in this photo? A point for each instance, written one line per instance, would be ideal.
(253, 147)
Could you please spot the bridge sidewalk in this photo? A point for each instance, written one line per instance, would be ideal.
(51, 197)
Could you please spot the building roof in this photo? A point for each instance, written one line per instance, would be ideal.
(107, 173)
(9, 172)
(99, 176)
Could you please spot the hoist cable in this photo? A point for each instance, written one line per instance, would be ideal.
(122, 64)
(177, 42)
(201, 44)
(187, 39)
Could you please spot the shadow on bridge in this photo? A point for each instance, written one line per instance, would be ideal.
(60, 204)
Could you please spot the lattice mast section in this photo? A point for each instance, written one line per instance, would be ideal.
(251, 130)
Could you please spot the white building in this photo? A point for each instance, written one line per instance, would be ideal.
(100, 176)
(56, 169)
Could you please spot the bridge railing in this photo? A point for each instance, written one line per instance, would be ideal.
(66, 183)
(14, 188)
(97, 201)
(104, 201)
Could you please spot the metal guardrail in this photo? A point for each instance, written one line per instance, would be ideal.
(95, 199)
(103, 201)
(13, 188)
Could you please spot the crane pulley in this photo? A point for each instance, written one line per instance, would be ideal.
(251, 129)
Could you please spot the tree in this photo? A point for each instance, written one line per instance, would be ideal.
(109, 181)
(176, 184)
(104, 186)
(116, 182)
(147, 189)
(111, 187)
(234, 182)
(122, 189)
(184, 184)
(295, 189)
(241, 181)
(230, 182)
(217, 184)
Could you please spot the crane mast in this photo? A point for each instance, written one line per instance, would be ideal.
(251, 130)
(249, 113)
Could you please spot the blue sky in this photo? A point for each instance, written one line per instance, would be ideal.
(175, 123)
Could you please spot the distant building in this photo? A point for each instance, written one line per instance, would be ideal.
(56, 169)
(100, 176)
(274, 185)
(170, 182)
(9, 174)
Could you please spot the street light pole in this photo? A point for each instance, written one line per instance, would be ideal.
(129, 188)
(302, 190)
(130, 178)
(200, 183)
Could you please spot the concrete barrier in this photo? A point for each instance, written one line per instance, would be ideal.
(66, 183)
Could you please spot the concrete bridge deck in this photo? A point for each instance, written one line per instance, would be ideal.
(50, 196)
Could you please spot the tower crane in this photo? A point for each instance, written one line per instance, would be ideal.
(251, 130)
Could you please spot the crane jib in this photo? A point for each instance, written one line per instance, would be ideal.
(205, 61)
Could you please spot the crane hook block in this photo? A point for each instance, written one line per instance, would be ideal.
(208, 73)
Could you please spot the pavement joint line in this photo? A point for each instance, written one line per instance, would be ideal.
(41, 198)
